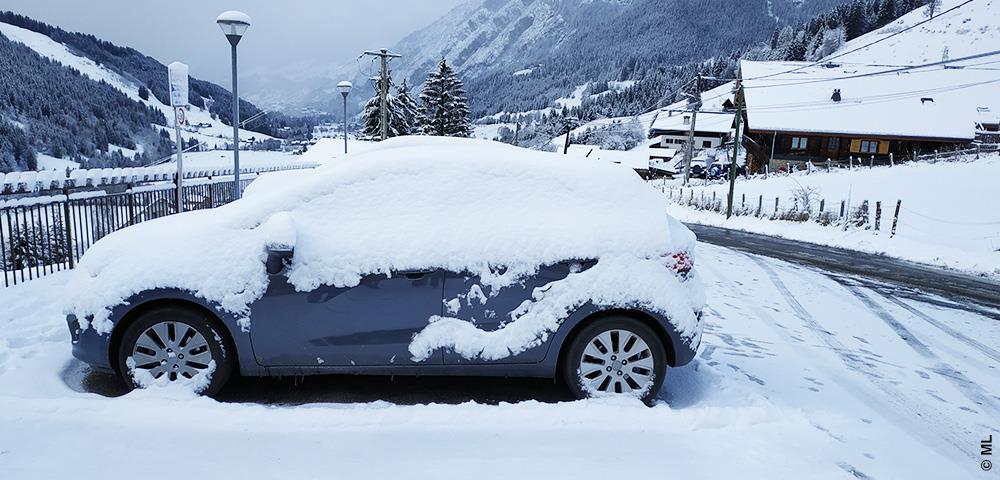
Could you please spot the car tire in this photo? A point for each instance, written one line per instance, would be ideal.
(192, 341)
(638, 368)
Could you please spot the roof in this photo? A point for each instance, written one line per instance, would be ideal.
(706, 122)
(637, 159)
(711, 118)
(927, 103)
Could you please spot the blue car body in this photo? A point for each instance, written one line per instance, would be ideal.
(367, 329)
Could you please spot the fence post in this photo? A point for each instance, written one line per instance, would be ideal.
(822, 205)
(895, 218)
(892, 160)
(842, 205)
(760, 205)
(775, 206)
(211, 193)
(977, 151)
(878, 215)
(851, 164)
(69, 228)
(864, 213)
(743, 204)
(131, 204)
(829, 164)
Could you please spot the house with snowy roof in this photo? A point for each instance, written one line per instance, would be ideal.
(713, 126)
(798, 111)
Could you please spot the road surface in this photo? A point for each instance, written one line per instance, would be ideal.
(854, 263)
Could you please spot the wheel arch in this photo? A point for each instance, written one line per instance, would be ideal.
(225, 325)
(667, 337)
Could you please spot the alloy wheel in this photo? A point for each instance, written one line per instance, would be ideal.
(174, 349)
(616, 361)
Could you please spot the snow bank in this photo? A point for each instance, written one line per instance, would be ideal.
(948, 217)
(410, 204)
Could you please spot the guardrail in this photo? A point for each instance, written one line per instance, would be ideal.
(40, 235)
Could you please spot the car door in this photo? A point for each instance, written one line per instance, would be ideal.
(488, 310)
(371, 324)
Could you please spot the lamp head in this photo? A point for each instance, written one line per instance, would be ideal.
(233, 24)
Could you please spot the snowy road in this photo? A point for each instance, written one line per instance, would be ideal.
(803, 374)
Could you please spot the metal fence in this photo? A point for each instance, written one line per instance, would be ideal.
(40, 236)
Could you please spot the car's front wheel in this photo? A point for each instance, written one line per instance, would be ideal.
(175, 345)
(615, 356)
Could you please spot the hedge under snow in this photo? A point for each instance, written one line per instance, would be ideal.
(411, 204)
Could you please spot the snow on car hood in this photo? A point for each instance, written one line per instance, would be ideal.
(405, 204)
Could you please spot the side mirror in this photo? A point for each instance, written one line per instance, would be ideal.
(278, 257)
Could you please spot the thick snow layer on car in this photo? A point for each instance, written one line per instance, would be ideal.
(409, 204)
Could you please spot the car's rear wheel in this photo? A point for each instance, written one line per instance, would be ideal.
(615, 356)
(175, 345)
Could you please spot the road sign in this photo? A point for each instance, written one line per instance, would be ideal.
(177, 73)
(179, 115)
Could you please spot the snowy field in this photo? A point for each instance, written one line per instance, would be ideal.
(801, 375)
(948, 216)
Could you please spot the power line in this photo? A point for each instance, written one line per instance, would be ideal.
(879, 73)
(827, 59)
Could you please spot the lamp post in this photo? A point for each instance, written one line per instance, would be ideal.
(345, 90)
(234, 24)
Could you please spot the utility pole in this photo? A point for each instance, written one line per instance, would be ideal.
(736, 147)
(384, 56)
(694, 101)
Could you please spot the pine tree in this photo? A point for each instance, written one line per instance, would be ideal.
(933, 7)
(408, 115)
(372, 116)
(444, 109)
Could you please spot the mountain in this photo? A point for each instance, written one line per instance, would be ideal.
(73, 96)
(556, 45)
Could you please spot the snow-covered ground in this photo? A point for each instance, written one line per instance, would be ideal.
(800, 376)
(948, 215)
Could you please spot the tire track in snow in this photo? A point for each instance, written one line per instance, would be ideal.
(919, 416)
(971, 390)
(971, 342)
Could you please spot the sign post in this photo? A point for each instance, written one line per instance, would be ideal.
(178, 76)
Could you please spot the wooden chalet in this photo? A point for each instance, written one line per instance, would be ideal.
(798, 112)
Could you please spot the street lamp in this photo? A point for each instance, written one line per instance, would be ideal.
(234, 24)
(345, 90)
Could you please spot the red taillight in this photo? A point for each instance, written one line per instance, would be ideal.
(679, 262)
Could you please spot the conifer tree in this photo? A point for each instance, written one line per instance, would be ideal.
(372, 116)
(444, 110)
(408, 114)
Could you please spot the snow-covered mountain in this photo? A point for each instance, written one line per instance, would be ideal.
(83, 99)
(969, 29)
(556, 45)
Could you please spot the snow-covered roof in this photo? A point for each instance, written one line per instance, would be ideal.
(637, 159)
(711, 118)
(926, 103)
(706, 122)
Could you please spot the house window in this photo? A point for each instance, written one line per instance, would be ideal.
(833, 144)
(799, 143)
(869, 146)
(706, 144)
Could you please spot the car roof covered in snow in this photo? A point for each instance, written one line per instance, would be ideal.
(924, 103)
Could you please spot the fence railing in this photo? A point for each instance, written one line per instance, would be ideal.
(802, 207)
(40, 236)
(55, 180)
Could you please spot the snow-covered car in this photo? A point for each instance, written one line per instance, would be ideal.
(419, 256)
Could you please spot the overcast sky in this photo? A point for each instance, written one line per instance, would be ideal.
(284, 32)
